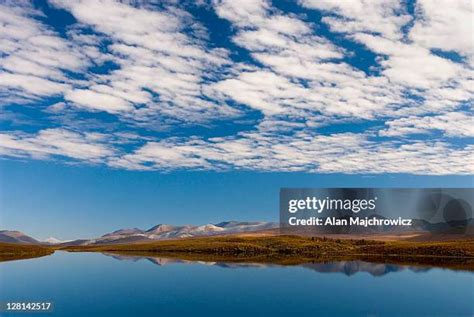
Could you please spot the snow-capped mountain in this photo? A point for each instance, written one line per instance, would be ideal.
(165, 231)
(53, 240)
(124, 232)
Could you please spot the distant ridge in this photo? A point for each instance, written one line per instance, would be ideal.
(124, 231)
(166, 231)
(11, 236)
(158, 232)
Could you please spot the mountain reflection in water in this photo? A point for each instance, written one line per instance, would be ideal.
(346, 267)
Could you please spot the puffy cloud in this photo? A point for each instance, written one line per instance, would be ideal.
(303, 73)
(385, 18)
(344, 152)
(153, 68)
(445, 25)
(161, 69)
(99, 101)
(89, 147)
(430, 82)
(453, 124)
(32, 86)
(413, 66)
(34, 59)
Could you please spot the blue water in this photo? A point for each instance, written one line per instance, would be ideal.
(93, 284)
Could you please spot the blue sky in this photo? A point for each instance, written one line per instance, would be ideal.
(46, 198)
(214, 100)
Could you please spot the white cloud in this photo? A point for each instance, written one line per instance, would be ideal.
(34, 58)
(410, 65)
(161, 68)
(453, 124)
(406, 59)
(303, 74)
(445, 25)
(99, 101)
(89, 147)
(363, 16)
(166, 71)
(345, 152)
(30, 84)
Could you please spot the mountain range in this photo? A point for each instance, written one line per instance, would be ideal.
(166, 231)
(158, 232)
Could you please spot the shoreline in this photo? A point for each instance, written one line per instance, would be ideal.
(12, 252)
(286, 250)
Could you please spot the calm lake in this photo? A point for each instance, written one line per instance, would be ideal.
(94, 284)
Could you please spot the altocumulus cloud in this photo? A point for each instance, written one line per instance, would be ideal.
(316, 86)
